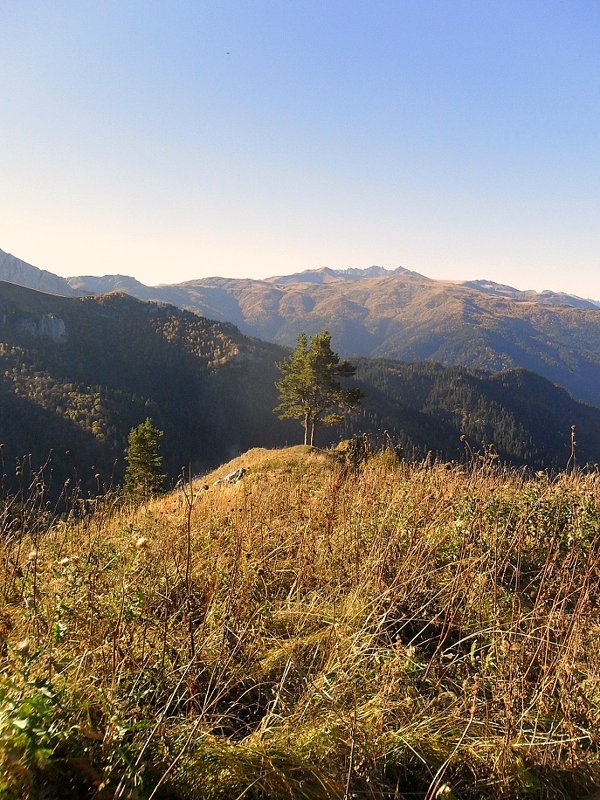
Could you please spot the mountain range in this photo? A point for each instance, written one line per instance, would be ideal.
(77, 373)
(378, 313)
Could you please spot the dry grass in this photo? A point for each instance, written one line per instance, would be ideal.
(402, 632)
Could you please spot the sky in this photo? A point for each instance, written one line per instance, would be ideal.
(176, 140)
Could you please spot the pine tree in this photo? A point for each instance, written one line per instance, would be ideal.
(309, 390)
(143, 474)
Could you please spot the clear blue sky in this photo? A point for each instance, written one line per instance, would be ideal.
(174, 140)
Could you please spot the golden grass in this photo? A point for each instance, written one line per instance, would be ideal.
(405, 631)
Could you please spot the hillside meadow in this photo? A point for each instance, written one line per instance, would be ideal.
(316, 630)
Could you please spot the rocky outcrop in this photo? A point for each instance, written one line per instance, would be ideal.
(51, 326)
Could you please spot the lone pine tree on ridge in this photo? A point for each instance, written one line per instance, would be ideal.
(310, 390)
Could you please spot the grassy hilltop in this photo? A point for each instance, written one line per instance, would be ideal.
(399, 631)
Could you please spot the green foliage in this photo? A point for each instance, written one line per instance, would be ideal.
(32, 727)
(144, 476)
(309, 389)
(27, 724)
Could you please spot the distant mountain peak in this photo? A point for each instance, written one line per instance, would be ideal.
(15, 270)
(91, 284)
(491, 287)
(545, 297)
(330, 275)
(394, 313)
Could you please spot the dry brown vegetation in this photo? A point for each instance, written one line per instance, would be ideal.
(399, 631)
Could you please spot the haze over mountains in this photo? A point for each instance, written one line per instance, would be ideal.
(380, 313)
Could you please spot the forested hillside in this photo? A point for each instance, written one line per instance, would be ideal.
(78, 373)
(408, 317)
(525, 417)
